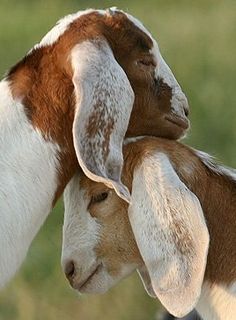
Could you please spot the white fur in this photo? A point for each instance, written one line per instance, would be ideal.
(28, 181)
(101, 86)
(132, 139)
(217, 303)
(210, 162)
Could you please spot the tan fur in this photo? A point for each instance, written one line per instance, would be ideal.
(43, 79)
(217, 195)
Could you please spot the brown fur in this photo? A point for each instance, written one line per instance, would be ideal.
(216, 192)
(44, 80)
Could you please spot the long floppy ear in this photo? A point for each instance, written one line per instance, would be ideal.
(171, 234)
(104, 100)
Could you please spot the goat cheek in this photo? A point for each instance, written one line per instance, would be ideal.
(164, 96)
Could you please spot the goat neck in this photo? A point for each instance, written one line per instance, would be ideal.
(28, 184)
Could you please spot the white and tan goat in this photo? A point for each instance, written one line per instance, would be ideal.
(71, 99)
(178, 198)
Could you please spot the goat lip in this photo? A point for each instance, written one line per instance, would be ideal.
(179, 121)
(83, 283)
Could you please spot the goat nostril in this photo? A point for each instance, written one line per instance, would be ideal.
(186, 111)
(70, 269)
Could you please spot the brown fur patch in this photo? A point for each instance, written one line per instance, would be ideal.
(106, 127)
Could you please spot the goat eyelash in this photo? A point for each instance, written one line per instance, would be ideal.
(147, 63)
(99, 197)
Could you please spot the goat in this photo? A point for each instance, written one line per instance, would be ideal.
(68, 104)
(179, 200)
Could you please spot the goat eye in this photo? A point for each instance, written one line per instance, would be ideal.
(146, 62)
(99, 197)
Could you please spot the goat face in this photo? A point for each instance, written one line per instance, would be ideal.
(160, 107)
(98, 244)
(96, 76)
(162, 233)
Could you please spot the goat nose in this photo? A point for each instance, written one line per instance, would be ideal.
(186, 110)
(70, 270)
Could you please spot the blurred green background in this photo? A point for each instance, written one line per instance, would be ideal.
(198, 40)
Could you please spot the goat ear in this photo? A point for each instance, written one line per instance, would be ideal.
(171, 234)
(104, 100)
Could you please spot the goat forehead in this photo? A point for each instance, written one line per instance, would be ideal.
(63, 24)
(74, 196)
(139, 25)
(80, 230)
(90, 187)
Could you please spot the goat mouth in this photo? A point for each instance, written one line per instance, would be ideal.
(179, 121)
(83, 283)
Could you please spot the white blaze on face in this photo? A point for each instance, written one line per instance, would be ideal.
(164, 73)
(80, 230)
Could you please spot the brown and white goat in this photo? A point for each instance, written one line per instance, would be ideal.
(179, 198)
(71, 99)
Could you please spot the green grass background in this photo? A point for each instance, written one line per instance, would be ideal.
(198, 40)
